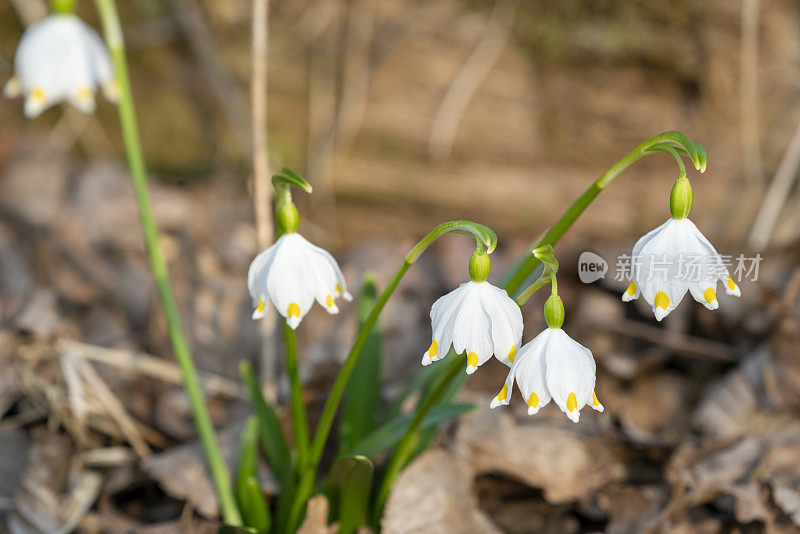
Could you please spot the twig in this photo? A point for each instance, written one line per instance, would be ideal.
(682, 344)
(775, 199)
(470, 78)
(262, 191)
(151, 366)
(107, 402)
(751, 136)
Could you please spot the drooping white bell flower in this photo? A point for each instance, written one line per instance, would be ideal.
(293, 273)
(477, 318)
(673, 259)
(60, 58)
(553, 366)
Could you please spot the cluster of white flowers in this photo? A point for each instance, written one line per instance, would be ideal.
(60, 58)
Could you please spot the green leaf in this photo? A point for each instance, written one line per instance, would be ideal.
(252, 504)
(289, 177)
(390, 433)
(362, 396)
(273, 440)
(351, 478)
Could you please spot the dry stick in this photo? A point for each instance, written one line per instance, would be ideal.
(469, 79)
(146, 364)
(193, 23)
(751, 137)
(778, 192)
(262, 190)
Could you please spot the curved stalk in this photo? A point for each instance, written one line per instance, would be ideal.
(130, 134)
(484, 237)
(674, 143)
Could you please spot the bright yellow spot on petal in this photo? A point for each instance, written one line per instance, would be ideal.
(731, 285)
(338, 288)
(572, 402)
(38, 93)
(294, 310)
(85, 93)
(472, 359)
(434, 349)
(329, 300)
(533, 400)
(631, 289)
(710, 295)
(260, 307)
(594, 399)
(512, 354)
(503, 394)
(662, 300)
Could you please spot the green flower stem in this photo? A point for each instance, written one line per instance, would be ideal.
(298, 406)
(308, 473)
(485, 238)
(408, 445)
(130, 133)
(671, 142)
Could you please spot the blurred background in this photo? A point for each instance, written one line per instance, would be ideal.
(404, 114)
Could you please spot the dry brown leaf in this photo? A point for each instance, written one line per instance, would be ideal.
(433, 495)
(561, 458)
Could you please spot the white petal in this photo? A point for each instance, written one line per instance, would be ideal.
(657, 266)
(443, 315)
(257, 273)
(290, 283)
(705, 292)
(627, 296)
(339, 277)
(570, 373)
(506, 322)
(529, 369)
(472, 329)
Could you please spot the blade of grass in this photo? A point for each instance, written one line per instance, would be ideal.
(362, 396)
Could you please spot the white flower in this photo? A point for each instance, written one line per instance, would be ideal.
(553, 366)
(479, 319)
(61, 58)
(293, 272)
(673, 259)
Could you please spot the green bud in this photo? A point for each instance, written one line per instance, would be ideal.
(479, 266)
(287, 217)
(554, 311)
(680, 199)
(63, 7)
